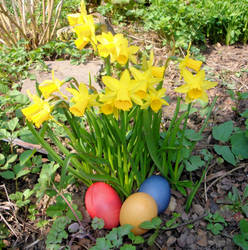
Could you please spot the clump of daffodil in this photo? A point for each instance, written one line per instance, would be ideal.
(116, 46)
(38, 112)
(155, 100)
(84, 27)
(120, 93)
(196, 86)
(81, 100)
(48, 87)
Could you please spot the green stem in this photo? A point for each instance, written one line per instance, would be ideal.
(181, 143)
(108, 66)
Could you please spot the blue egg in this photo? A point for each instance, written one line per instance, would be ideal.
(159, 188)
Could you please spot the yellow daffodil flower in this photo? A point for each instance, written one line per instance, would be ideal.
(196, 86)
(48, 87)
(146, 79)
(84, 26)
(117, 47)
(190, 63)
(121, 92)
(38, 112)
(157, 72)
(86, 33)
(78, 18)
(155, 100)
(81, 99)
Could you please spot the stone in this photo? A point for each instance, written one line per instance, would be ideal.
(198, 209)
(171, 241)
(172, 205)
(63, 70)
(202, 238)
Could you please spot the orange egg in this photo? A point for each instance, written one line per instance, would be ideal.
(137, 208)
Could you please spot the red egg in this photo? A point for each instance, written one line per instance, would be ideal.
(102, 201)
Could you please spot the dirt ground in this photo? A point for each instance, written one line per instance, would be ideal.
(228, 65)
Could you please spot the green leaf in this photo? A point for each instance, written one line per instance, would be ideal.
(240, 145)
(55, 210)
(195, 163)
(128, 247)
(147, 225)
(223, 131)
(97, 223)
(12, 124)
(124, 230)
(4, 134)
(11, 158)
(26, 155)
(71, 215)
(7, 175)
(215, 228)
(2, 159)
(245, 209)
(245, 195)
(241, 241)
(192, 135)
(226, 153)
(244, 227)
(135, 239)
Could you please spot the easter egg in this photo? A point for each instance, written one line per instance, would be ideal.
(137, 208)
(102, 201)
(159, 188)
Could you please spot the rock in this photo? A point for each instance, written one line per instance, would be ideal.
(62, 70)
(171, 241)
(220, 243)
(172, 205)
(190, 239)
(198, 209)
(202, 238)
(181, 241)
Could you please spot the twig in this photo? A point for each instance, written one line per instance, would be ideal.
(33, 243)
(205, 181)
(224, 175)
(186, 223)
(8, 225)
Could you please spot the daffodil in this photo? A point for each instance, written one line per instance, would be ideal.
(190, 63)
(81, 99)
(84, 27)
(121, 92)
(78, 18)
(155, 100)
(146, 79)
(48, 87)
(116, 46)
(38, 112)
(157, 72)
(196, 86)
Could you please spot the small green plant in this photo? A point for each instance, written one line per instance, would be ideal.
(57, 233)
(241, 239)
(22, 198)
(157, 225)
(216, 222)
(114, 239)
(239, 203)
(236, 140)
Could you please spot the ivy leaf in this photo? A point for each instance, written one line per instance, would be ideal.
(226, 153)
(223, 131)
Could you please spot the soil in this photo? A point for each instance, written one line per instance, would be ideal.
(228, 65)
